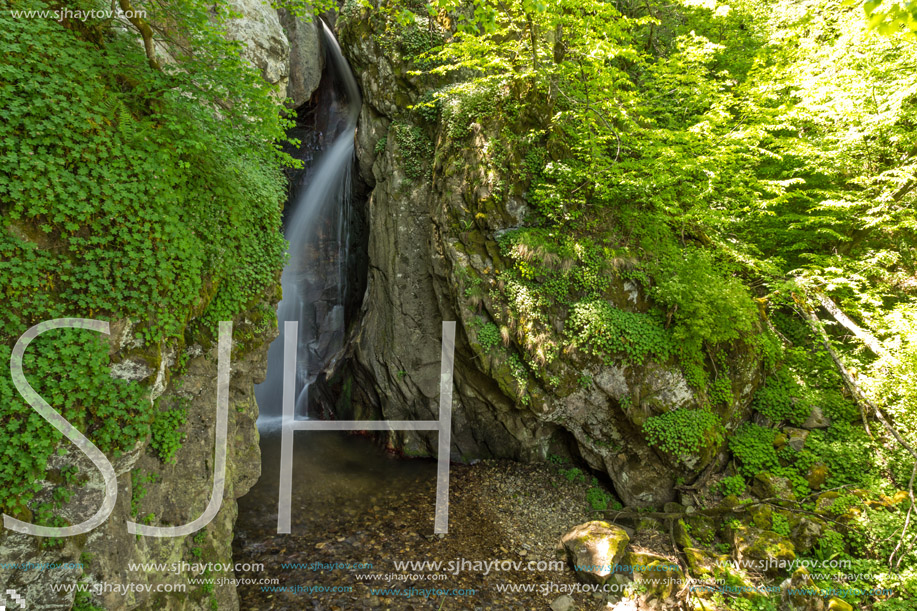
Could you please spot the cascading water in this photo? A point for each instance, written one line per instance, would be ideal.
(317, 229)
(337, 478)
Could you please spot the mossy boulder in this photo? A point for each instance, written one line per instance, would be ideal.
(761, 516)
(593, 549)
(661, 576)
(826, 500)
(806, 531)
(769, 486)
(705, 563)
(762, 550)
(799, 593)
(817, 476)
(682, 535)
(796, 438)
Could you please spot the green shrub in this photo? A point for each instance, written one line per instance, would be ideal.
(753, 445)
(780, 525)
(138, 488)
(732, 485)
(829, 546)
(167, 436)
(574, 474)
(707, 305)
(604, 331)
(489, 336)
(779, 400)
(683, 432)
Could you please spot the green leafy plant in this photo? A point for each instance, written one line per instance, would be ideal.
(605, 331)
(125, 207)
(683, 432)
(780, 524)
(166, 431)
(414, 149)
(753, 445)
(708, 305)
(598, 499)
(138, 488)
(776, 400)
(574, 474)
(731, 485)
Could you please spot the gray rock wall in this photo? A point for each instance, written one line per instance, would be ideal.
(284, 47)
(424, 238)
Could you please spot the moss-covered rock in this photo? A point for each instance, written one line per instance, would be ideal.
(660, 576)
(817, 475)
(762, 550)
(593, 549)
(769, 486)
(805, 532)
(799, 592)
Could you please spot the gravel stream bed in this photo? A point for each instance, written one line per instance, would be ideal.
(499, 511)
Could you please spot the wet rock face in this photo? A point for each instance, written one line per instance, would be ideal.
(163, 493)
(420, 244)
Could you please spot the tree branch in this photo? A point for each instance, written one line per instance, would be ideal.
(862, 402)
(145, 31)
(864, 336)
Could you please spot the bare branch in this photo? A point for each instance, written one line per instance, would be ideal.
(864, 336)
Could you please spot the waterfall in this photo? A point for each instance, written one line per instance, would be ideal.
(317, 230)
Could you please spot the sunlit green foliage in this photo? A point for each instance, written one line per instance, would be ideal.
(125, 192)
(714, 154)
(684, 432)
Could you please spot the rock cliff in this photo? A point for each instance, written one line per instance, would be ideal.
(153, 491)
(435, 254)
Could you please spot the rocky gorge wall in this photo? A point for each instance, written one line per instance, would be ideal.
(434, 255)
(182, 381)
(153, 491)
